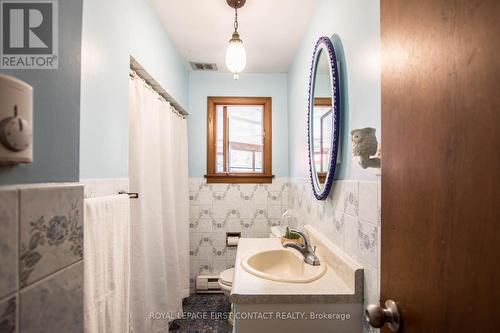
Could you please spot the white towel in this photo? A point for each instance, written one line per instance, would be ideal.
(107, 264)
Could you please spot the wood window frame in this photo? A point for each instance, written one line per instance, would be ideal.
(226, 177)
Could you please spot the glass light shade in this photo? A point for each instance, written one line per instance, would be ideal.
(236, 57)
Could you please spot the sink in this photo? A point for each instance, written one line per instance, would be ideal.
(282, 266)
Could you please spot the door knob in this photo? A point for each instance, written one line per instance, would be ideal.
(378, 316)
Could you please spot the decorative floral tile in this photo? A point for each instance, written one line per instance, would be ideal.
(260, 195)
(274, 198)
(218, 187)
(259, 234)
(233, 194)
(308, 201)
(194, 184)
(275, 212)
(247, 211)
(54, 304)
(338, 235)
(51, 230)
(193, 211)
(285, 198)
(337, 195)
(231, 253)
(368, 242)
(199, 267)
(204, 198)
(260, 212)
(8, 241)
(277, 185)
(219, 226)
(233, 225)
(232, 212)
(247, 192)
(260, 226)
(273, 223)
(219, 265)
(230, 263)
(368, 201)
(219, 211)
(193, 198)
(199, 212)
(219, 249)
(205, 225)
(201, 245)
(325, 210)
(350, 196)
(351, 236)
(247, 225)
(204, 186)
(193, 225)
(219, 198)
(8, 311)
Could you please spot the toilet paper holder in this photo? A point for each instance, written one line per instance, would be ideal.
(232, 235)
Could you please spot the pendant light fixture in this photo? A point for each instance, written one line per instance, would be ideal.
(236, 57)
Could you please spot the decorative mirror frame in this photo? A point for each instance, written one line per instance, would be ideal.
(324, 44)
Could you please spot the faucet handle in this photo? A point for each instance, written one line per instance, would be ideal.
(314, 249)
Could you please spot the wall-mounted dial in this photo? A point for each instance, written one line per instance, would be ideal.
(15, 132)
(16, 121)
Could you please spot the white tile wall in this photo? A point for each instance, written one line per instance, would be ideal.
(219, 208)
(41, 258)
(350, 217)
(9, 211)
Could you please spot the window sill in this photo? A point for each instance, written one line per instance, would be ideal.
(239, 178)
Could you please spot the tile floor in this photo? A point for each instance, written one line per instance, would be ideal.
(207, 306)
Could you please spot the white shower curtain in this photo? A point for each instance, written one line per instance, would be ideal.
(159, 234)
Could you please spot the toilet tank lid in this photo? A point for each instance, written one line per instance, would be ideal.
(227, 276)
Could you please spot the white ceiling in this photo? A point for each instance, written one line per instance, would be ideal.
(271, 30)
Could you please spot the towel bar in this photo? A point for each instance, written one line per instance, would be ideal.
(130, 195)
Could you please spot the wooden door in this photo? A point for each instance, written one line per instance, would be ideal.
(441, 163)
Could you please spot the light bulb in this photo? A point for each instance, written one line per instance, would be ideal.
(236, 57)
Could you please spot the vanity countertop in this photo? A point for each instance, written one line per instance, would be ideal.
(250, 289)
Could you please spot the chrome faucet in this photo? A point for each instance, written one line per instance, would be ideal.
(305, 249)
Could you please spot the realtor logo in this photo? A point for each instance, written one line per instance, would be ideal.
(29, 34)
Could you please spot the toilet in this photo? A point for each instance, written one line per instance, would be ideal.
(226, 281)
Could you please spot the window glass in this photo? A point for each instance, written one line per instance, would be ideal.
(219, 149)
(245, 138)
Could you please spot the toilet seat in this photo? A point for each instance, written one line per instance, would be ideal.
(226, 284)
(226, 277)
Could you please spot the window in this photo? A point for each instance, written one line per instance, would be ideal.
(322, 127)
(239, 140)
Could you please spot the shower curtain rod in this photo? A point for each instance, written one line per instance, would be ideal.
(134, 75)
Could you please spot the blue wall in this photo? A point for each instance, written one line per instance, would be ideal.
(95, 145)
(112, 31)
(357, 23)
(56, 109)
(202, 85)
(104, 105)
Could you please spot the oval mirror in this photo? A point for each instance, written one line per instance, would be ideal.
(323, 123)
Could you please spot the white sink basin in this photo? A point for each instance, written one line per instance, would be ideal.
(282, 266)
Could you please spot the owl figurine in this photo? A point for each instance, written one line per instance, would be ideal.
(364, 145)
